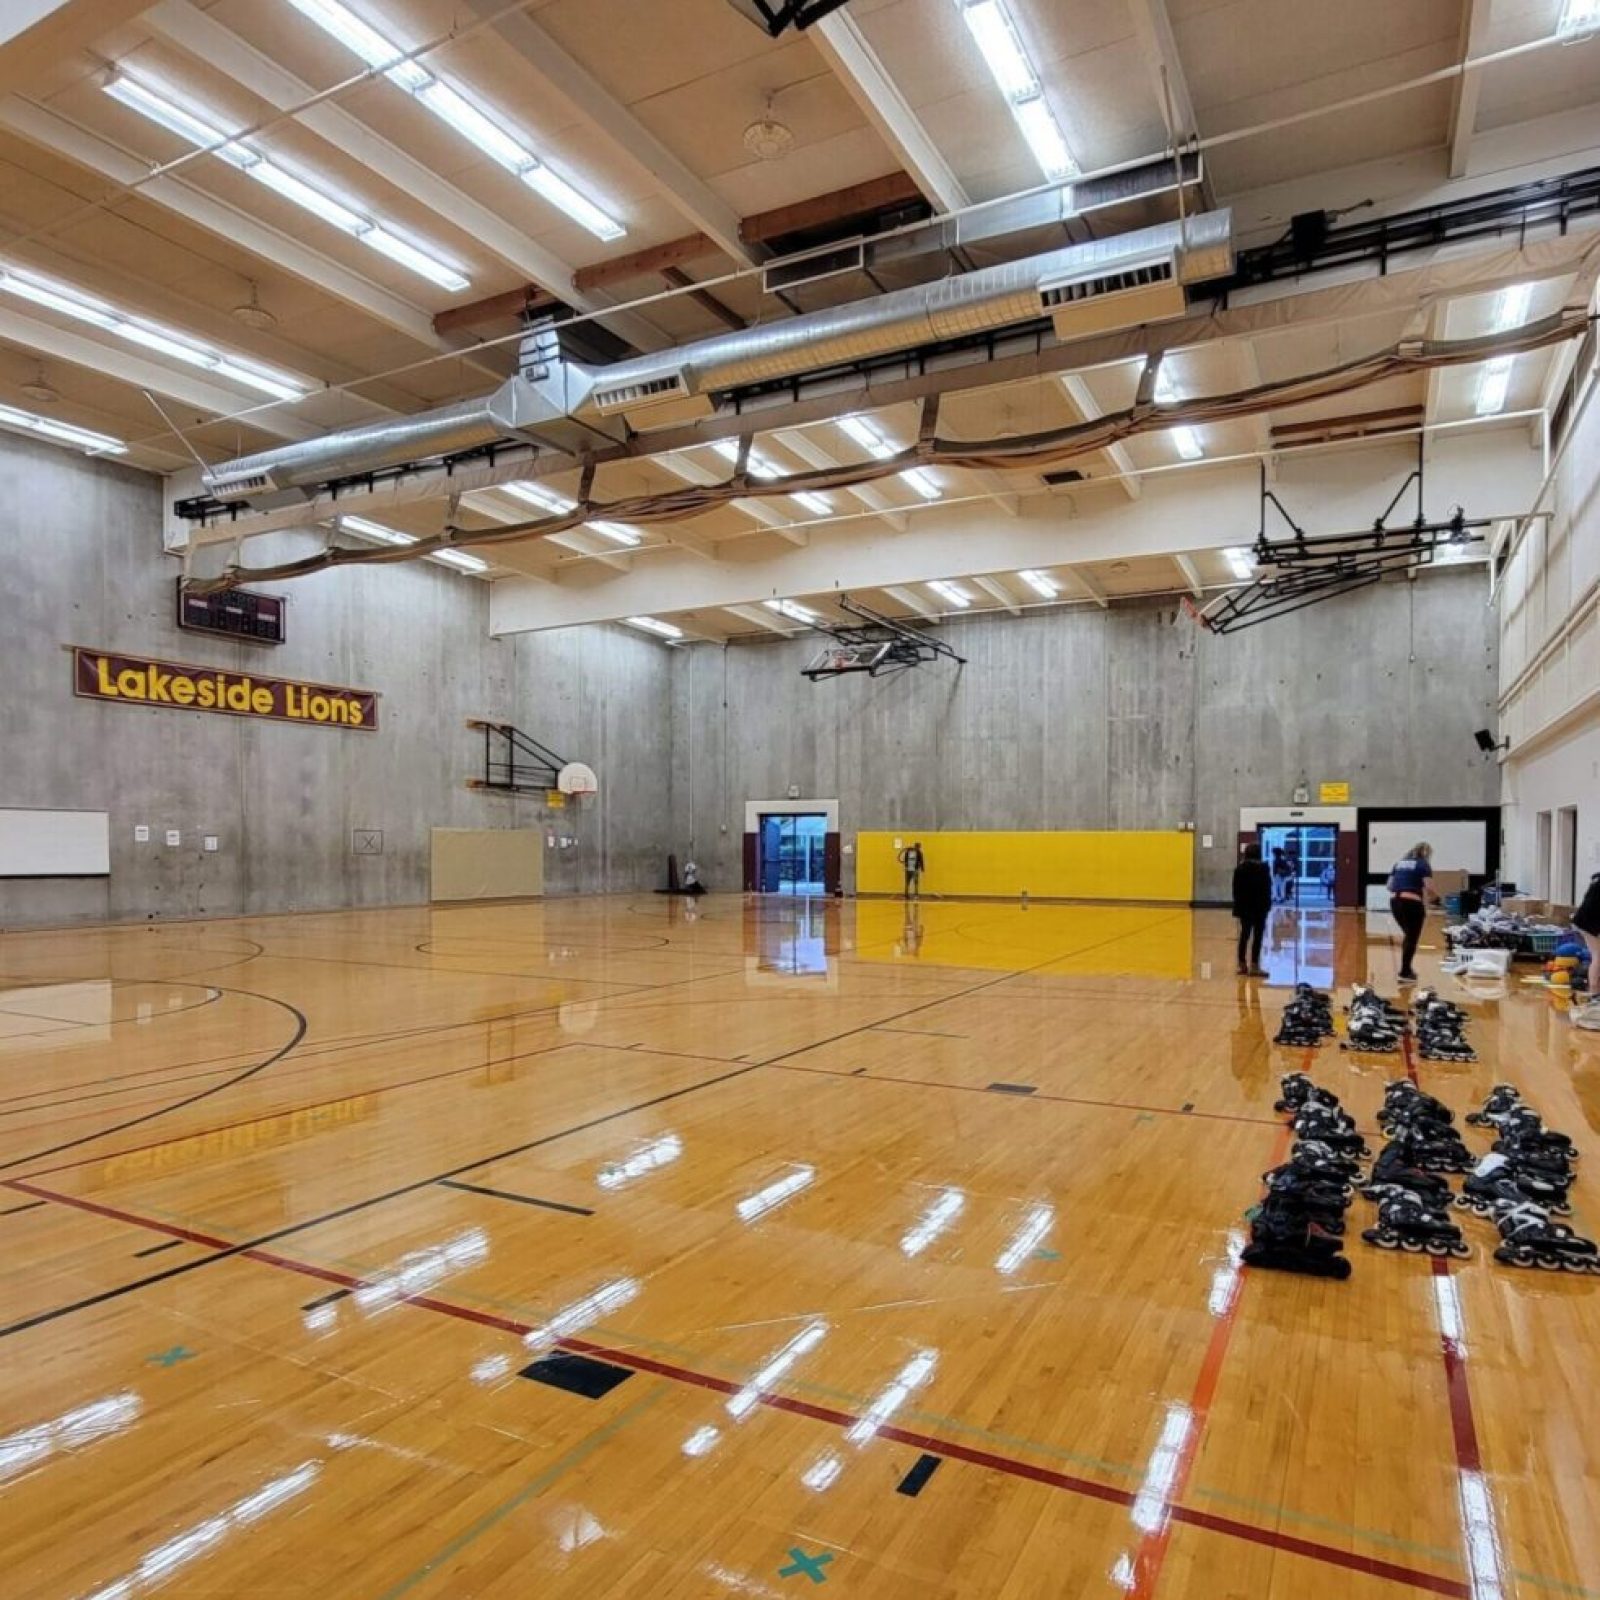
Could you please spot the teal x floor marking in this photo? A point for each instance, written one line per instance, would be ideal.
(811, 1566)
(170, 1358)
(1046, 1255)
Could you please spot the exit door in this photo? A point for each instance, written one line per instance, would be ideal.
(790, 853)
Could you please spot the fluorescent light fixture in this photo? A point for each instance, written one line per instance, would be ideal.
(868, 436)
(774, 1194)
(87, 308)
(923, 481)
(1166, 390)
(1187, 443)
(1243, 563)
(617, 532)
(460, 560)
(376, 530)
(535, 494)
(1038, 1222)
(934, 1220)
(84, 438)
(453, 106)
(655, 625)
(995, 34)
(791, 609)
(951, 592)
(1493, 384)
(883, 1405)
(591, 1308)
(1041, 583)
(808, 1338)
(756, 464)
(1511, 305)
(819, 505)
(197, 130)
(1578, 17)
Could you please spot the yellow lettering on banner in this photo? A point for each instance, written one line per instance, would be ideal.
(183, 691)
(102, 675)
(238, 695)
(319, 708)
(159, 684)
(130, 684)
(206, 695)
(290, 707)
(261, 702)
(357, 713)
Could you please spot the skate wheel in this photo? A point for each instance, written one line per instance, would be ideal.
(1576, 1266)
(1461, 1249)
(1437, 1247)
(1547, 1263)
(1462, 1203)
(1411, 1246)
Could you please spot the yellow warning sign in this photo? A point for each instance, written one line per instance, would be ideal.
(1333, 794)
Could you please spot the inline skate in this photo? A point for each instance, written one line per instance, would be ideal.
(1525, 1130)
(1396, 1169)
(1307, 1019)
(1407, 1222)
(1375, 1027)
(1498, 1104)
(1499, 1177)
(1530, 1239)
(1298, 1090)
(1286, 1237)
(1330, 1126)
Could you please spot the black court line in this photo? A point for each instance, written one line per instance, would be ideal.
(912, 1483)
(189, 1100)
(32, 1205)
(1013, 1088)
(521, 1199)
(920, 1033)
(325, 1300)
(355, 1206)
(156, 1249)
(90, 1301)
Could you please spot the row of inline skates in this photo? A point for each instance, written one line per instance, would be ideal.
(1377, 1027)
(1518, 1185)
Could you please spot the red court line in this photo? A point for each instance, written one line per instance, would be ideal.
(1062, 1099)
(1010, 1466)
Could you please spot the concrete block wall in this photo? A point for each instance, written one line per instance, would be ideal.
(80, 563)
(1083, 718)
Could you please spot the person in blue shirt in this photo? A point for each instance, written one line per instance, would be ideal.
(1408, 896)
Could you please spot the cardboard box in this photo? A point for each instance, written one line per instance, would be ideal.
(1451, 880)
(1524, 905)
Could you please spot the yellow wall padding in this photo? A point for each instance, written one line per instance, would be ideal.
(1102, 865)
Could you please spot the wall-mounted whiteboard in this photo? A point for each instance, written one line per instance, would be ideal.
(1459, 846)
(55, 844)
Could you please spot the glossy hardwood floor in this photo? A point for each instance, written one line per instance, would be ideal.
(906, 1246)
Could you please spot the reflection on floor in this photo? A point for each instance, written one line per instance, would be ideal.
(643, 1247)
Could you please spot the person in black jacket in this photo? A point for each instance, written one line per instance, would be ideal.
(1586, 919)
(1252, 900)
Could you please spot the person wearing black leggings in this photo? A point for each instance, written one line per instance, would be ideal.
(1252, 901)
(1408, 887)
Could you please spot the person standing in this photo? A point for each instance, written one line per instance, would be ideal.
(1408, 896)
(1280, 874)
(1586, 919)
(911, 859)
(1252, 901)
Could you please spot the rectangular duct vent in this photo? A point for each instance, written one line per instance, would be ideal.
(647, 392)
(1116, 297)
(242, 487)
(850, 257)
(1064, 476)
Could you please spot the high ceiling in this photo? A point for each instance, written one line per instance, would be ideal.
(678, 120)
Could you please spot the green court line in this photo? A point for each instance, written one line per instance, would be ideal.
(623, 1340)
(557, 1469)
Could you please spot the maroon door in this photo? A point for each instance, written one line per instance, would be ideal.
(1346, 869)
(831, 876)
(751, 864)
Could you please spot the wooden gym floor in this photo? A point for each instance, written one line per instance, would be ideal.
(883, 1258)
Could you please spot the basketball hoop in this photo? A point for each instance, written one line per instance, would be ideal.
(577, 779)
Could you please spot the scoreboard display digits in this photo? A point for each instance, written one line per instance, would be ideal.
(235, 613)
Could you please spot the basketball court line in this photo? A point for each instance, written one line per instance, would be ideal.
(1010, 1466)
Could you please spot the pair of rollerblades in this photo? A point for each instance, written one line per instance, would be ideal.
(1497, 1106)
(1307, 1019)
(1411, 1221)
(1396, 1171)
(1440, 1028)
(1296, 1091)
(1290, 1235)
(1428, 1126)
(1374, 1027)
(1530, 1238)
(1332, 1126)
(1501, 1178)
(1523, 1132)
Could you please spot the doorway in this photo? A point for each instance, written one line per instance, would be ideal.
(1564, 891)
(1311, 851)
(790, 848)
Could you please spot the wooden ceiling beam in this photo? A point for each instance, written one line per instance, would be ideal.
(496, 308)
(859, 200)
(647, 263)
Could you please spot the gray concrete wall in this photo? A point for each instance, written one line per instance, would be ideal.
(1082, 718)
(81, 563)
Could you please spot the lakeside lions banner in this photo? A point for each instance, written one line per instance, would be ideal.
(140, 681)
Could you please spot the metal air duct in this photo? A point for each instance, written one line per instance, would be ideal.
(564, 405)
